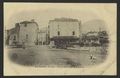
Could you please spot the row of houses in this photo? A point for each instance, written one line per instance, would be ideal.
(58, 30)
(61, 32)
(25, 32)
(99, 38)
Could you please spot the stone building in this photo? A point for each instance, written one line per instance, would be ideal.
(63, 31)
(42, 36)
(25, 32)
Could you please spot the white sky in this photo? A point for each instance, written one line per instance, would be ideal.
(43, 12)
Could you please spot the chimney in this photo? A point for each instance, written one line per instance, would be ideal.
(33, 20)
(17, 24)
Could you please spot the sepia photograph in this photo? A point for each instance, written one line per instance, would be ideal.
(60, 39)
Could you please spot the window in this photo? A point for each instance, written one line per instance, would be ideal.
(26, 36)
(25, 24)
(58, 33)
(14, 38)
(73, 33)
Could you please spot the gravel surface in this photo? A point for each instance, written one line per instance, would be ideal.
(42, 56)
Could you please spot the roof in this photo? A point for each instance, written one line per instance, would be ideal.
(26, 22)
(65, 19)
(13, 30)
(92, 34)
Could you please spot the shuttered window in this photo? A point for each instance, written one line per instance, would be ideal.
(58, 33)
(73, 33)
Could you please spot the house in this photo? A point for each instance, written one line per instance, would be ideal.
(25, 32)
(42, 36)
(63, 31)
(12, 35)
(95, 38)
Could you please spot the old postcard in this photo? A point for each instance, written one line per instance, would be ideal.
(60, 39)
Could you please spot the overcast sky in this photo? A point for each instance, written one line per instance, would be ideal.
(42, 13)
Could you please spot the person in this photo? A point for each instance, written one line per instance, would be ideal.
(92, 58)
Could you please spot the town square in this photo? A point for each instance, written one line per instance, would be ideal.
(59, 39)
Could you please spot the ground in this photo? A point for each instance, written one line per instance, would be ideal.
(43, 56)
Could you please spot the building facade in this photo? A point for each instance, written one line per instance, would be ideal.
(64, 30)
(25, 32)
(64, 27)
(42, 36)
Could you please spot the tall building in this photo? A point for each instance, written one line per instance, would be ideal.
(64, 30)
(25, 32)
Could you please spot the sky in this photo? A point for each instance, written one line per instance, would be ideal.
(43, 12)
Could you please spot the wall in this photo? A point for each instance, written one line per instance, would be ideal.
(11, 40)
(42, 38)
(14, 32)
(65, 27)
(28, 33)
